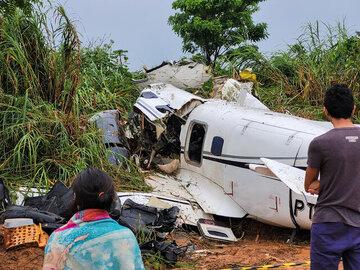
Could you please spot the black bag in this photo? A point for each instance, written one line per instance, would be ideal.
(59, 200)
(4, 196)
(144, 218)
(49, 221)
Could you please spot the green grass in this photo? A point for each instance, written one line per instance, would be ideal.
(154, 262)
(186, 265)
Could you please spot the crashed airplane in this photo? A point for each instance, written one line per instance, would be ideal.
(237, 159)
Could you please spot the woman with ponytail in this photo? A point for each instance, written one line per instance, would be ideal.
(91, 239)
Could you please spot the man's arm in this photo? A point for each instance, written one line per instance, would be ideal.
(312, 184)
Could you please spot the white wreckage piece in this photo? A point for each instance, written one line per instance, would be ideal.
(168, 193)
(238, 159)
(240, 93)
(183, 74)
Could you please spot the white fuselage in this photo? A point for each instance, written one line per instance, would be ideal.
(220, 140)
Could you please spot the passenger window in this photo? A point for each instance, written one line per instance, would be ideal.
(196, 143)
(217, 146)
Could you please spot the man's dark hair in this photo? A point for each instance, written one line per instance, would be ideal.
(93, 189)
(339, 101)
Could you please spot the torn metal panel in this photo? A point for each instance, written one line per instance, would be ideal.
(166, 185)
(184, 74)
(175, 97)
(188, 107)
(158, 137)
(114, 137)
(210, 196)
(108, 121)
(154, 107)
(160, 100)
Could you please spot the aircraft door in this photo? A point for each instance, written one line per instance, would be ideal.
(195, 143)
(203, 150)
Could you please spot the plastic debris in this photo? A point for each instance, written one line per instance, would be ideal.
(18, 222)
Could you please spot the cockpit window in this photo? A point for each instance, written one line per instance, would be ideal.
(196, 143)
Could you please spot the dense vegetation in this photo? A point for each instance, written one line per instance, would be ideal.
(49, 87)
(295, 80)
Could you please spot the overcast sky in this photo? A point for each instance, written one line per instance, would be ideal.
(140, 26)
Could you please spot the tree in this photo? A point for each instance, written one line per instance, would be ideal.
(213, 27)
(7, 7)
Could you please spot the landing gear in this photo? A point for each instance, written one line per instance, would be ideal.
(292, 236)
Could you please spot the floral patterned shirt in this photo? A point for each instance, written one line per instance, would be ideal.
(92, 240)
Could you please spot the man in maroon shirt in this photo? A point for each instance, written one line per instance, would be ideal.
(335, 156)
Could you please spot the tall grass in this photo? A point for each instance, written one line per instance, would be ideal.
(49, 86)
(316, 61)
(323, 55)
(105, 81)
(31, 62)
(41, 145)
(295, 79)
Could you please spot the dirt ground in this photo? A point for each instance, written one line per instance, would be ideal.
(210, 256)
(259, 245)
(21, 259)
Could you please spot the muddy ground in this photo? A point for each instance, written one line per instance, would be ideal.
(260, 244)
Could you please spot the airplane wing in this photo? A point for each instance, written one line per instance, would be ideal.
(210, 196)
(291, 176)
(194, 188)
